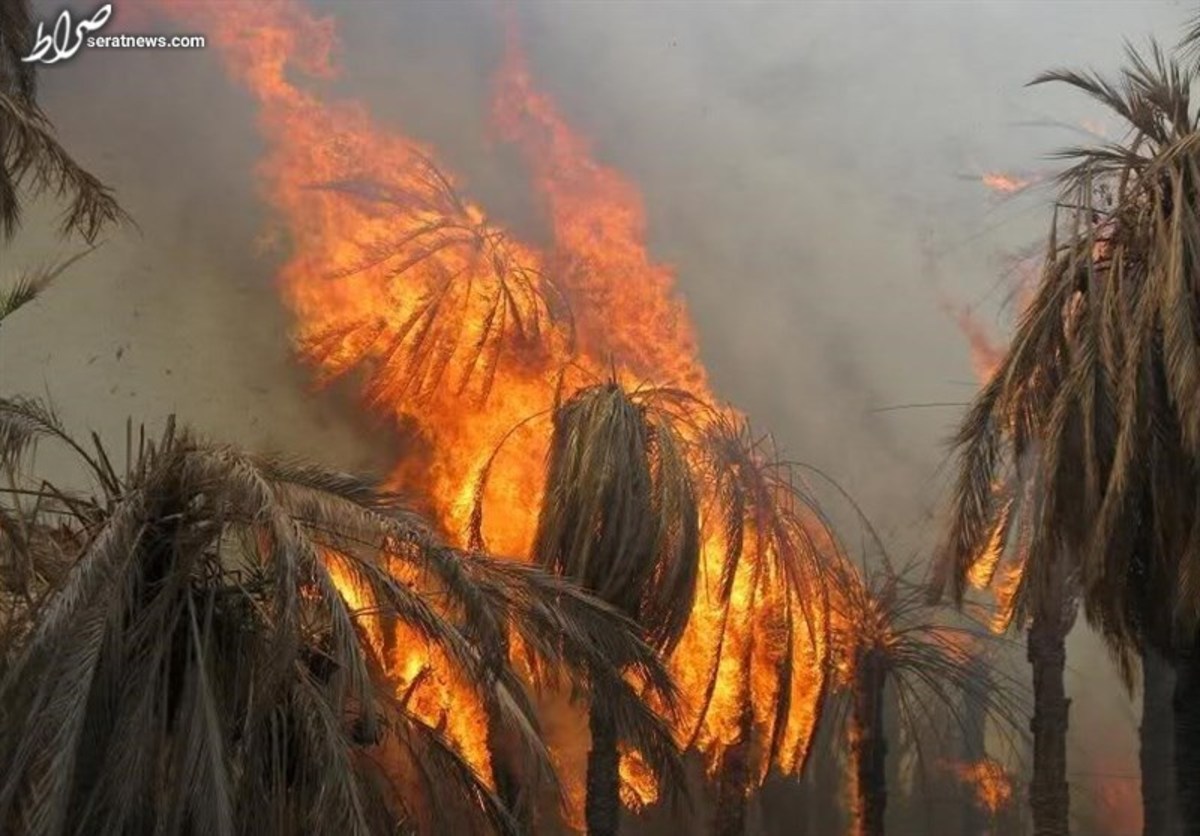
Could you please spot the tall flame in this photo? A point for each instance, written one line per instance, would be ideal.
(463, 330)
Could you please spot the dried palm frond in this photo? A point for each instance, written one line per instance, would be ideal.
(619, 515)
(1083, 447)
(30, 285)
(200, 661)
(32, 161)
(466, 296)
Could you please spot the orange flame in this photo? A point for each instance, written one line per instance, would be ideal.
(383, 249)
(989, 780)
(1003, 183)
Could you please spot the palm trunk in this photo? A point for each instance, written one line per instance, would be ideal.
(825, 777)
(868, 744)
(1160, 813)
(733, 779)
(1046, 649)
(1187, 740)
(602, 808)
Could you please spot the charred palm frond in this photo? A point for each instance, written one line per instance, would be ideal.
(33, 162)
(1083, 447)
(201, 662)
(36, 549)
(465, 296)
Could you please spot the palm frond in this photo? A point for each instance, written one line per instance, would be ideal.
(16, 41)
(1083, 447)
(31, 285)
(463, 297)
(620, 514)
(225, 642)
(34, 163)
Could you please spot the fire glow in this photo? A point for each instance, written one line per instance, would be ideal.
(989, 782)
(1003, 183)
(463, 330)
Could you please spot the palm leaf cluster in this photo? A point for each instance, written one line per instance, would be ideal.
(654, 499)
(1081, 451)
(17, 77)
(620, 514)
(886, 635)
(31, 159)
(199, 665)
(471, 298)
(766, 531)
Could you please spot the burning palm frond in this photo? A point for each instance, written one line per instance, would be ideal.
(215, 651)
(764, 567)
(1082, 449)
(465, 295)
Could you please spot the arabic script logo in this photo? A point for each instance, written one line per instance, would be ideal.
(65, 40)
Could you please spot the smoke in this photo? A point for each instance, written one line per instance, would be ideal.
(811, 170)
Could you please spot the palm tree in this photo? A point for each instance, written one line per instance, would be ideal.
(465, 297)
(215, 653)
(885, 633)
(620, 517)
(1160, 813)
(629, 477)
(1080, 453)
(764, 581)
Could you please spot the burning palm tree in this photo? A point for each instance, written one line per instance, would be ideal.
(677, 514)
(216, 651)
(1080, 453)
(764, 581)
(885, 633)
(620, 517)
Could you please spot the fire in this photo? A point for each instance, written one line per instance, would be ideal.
(990, 569)
(989, 780)
(986, 354)
(468, 335)
(1003, 183)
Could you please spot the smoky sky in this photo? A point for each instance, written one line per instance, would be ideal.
(811, 170)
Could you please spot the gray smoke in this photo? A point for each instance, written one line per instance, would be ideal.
(811, 170)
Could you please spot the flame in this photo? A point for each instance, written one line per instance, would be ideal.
(986, 353)
(459, 324)
(989, 781)
(989, 569)
(1003, 183)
